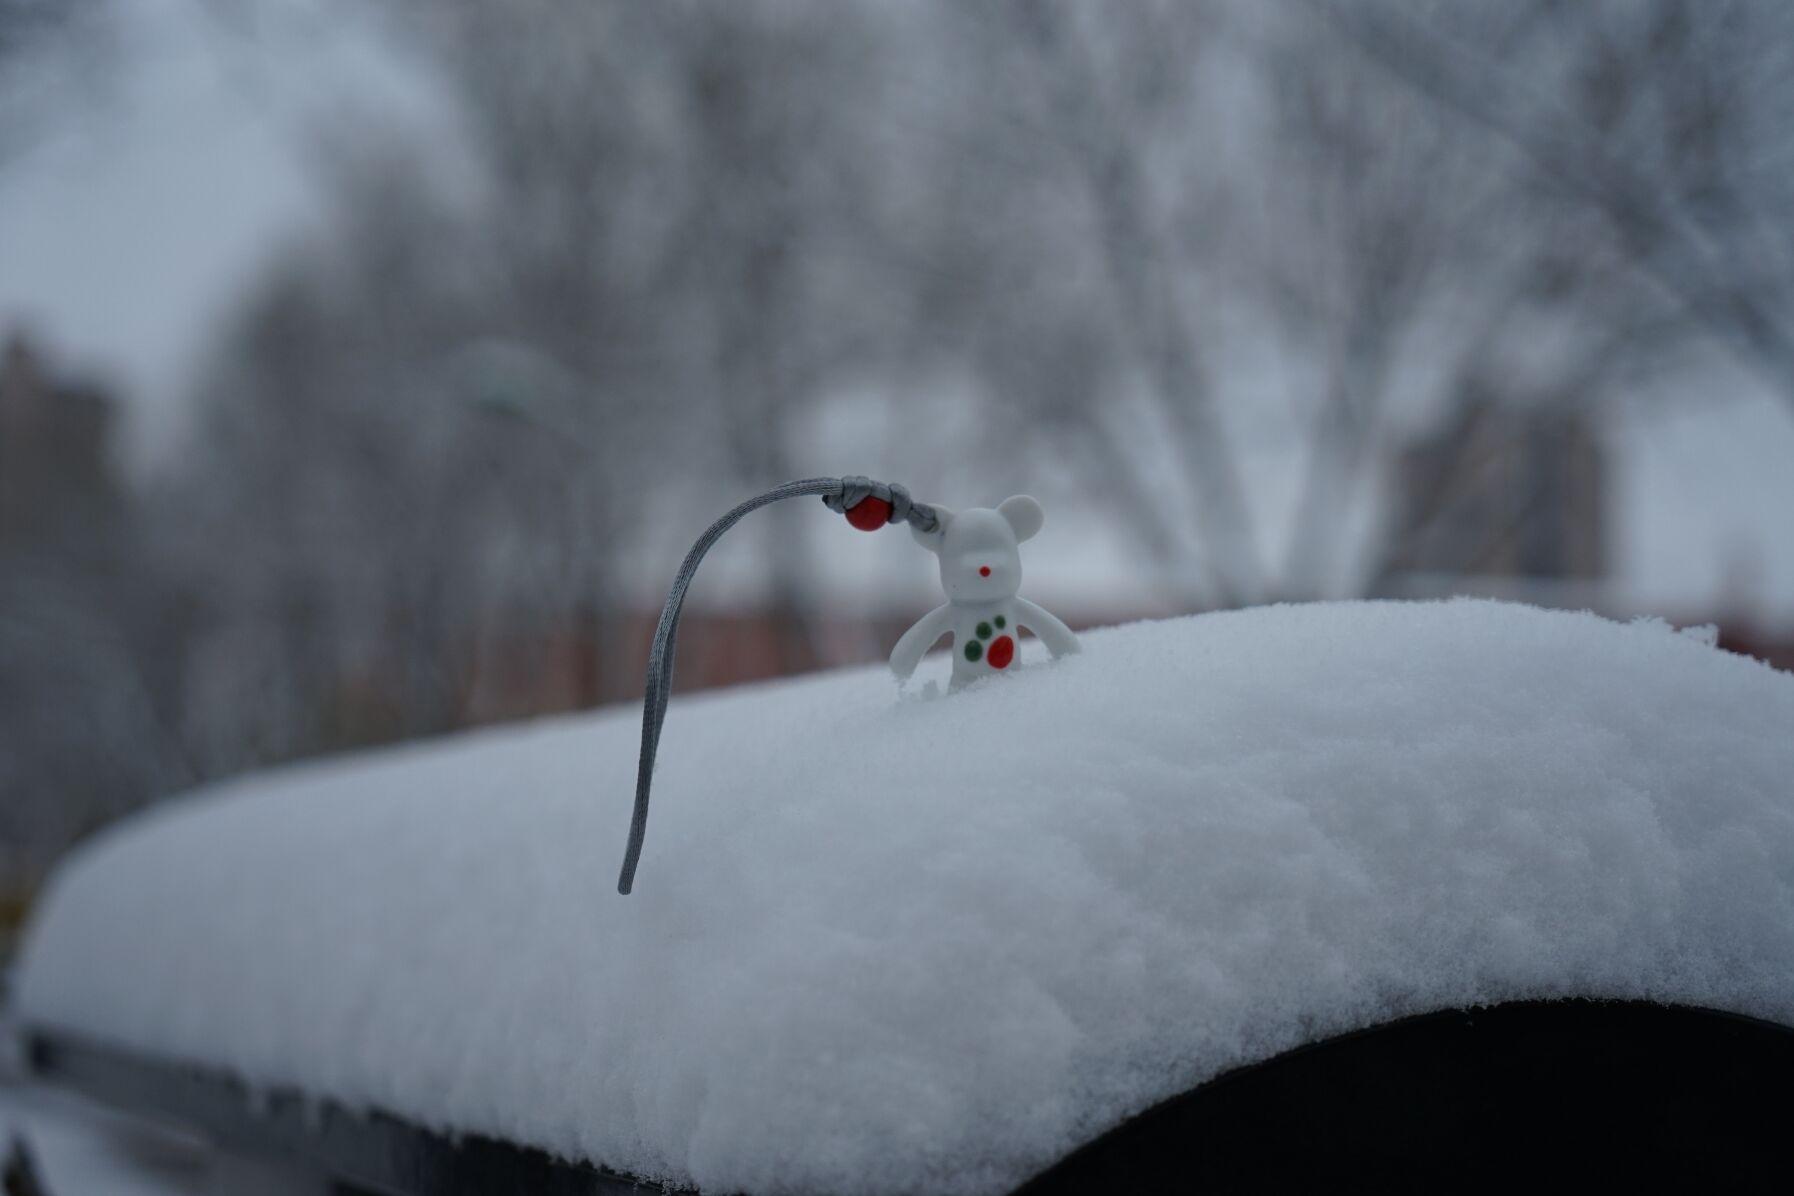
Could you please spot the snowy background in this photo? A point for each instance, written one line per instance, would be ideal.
(368, 367)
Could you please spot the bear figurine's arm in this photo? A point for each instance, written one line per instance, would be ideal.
(915, 642)
(1054, 634)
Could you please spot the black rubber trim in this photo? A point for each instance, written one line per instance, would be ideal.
(374, 1152)
(1529, 1096)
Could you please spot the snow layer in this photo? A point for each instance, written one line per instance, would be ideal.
(885, 945)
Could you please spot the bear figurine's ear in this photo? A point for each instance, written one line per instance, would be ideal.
(932, 540)
(1024, 515)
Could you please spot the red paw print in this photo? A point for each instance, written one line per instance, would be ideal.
(1001, 652)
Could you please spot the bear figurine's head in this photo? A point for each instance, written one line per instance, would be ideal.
(981, 560)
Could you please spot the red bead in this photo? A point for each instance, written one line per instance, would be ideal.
(869, 514)
(1001, 652)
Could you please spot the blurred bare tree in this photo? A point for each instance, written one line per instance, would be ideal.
(1668, 120)
(1428, 278)
(451, 419)
(352, 515)
(690, 225)
(53, 55)
(1187, 187)
(1074, 203)
(88, 676)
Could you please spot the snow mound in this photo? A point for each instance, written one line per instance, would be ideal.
(885, 945)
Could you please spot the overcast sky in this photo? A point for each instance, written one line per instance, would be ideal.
(140, 207)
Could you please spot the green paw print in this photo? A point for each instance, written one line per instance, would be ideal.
(975, 648)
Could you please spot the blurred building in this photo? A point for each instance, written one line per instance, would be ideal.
(1515, 503)
(1505, 491)
(85, 672)
(55, 468)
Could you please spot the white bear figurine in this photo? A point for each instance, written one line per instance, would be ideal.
(981, 570)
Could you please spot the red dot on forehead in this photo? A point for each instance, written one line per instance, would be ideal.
(983, 570)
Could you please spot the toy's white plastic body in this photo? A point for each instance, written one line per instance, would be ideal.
(981, 570)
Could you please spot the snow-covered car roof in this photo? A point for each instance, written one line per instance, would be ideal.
(884, 943)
